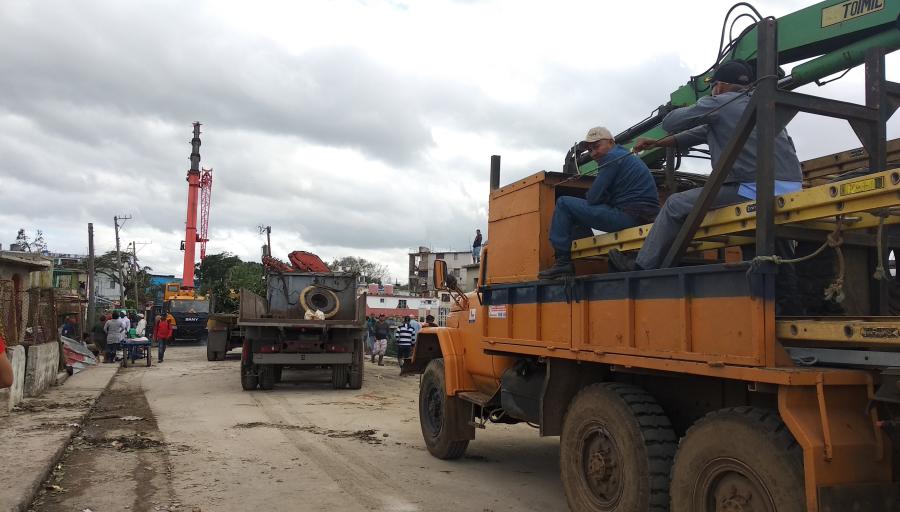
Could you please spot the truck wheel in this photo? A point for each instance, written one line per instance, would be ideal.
(356, 370)
(738, 459)
(340, 374)
(444, 419)
(266, 377)
(277, 371)
(616, 450)
(249, 379)
(211, 355)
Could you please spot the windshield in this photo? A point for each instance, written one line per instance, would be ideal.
(189, 306)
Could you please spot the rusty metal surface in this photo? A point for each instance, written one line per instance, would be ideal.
(871, 497)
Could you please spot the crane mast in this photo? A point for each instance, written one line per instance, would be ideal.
(190, 232)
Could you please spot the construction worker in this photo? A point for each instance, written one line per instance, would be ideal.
(623, 195)
(712, 120)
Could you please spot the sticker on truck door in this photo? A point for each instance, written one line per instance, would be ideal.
(497, 311)
(472, 313)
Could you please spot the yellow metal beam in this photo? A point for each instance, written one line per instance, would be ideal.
(814, 206)
(883, 332)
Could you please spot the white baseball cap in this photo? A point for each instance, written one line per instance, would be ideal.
(598, 133)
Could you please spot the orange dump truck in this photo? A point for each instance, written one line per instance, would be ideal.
(685, 388)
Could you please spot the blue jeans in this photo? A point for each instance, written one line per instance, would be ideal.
(111, 349)
(161, 349)
(573, 218)
(476, 253)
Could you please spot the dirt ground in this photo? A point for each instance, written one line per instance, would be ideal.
(183, 436)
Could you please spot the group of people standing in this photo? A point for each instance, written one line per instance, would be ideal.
(379, 331)
(113, 328)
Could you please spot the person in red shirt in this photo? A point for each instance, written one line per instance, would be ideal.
(162, 333)
(6, 371)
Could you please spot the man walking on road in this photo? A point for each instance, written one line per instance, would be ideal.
(162, 333)
(115, 333)
(382, 331)
(405, 336)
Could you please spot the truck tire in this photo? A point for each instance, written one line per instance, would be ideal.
(616, 450)
(736, 458)
(356, 369)
(266, 377)
(340, 375)
(249, 380)
(445, 420)
(277, 371)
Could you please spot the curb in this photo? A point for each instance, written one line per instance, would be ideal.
(34, 489)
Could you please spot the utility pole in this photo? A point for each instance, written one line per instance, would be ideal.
(268, 231)
(134, 273)
(92, 300)
(116, 220)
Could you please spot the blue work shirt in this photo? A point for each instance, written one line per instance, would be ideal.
(623, 181)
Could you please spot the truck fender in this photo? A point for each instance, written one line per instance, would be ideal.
(438, 342)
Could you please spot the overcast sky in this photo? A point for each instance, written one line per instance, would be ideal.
(359, 128)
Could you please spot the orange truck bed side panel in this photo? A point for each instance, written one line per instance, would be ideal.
(841, 445)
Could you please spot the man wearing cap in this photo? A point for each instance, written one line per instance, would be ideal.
(712, 121)
(623, 195)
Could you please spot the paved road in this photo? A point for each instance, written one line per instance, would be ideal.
(203, 444)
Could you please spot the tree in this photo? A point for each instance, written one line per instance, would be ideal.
(214, 269)
(246, 274)
(107, 265)
(38, 244)
(374, 272)
(29, 244)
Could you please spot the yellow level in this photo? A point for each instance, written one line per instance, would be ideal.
(813, 208)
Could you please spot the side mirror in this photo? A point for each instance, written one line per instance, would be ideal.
(440, 275)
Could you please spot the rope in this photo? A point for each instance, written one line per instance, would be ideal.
(881, 272)
(834, 291)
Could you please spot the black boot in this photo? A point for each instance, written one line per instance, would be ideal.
(563, 267)
(619, 262)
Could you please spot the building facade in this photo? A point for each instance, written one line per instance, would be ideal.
(421, 269)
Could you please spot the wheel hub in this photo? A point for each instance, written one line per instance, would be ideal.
(602, 469)
(731, 486)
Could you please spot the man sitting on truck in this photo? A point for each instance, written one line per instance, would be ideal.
(623, 195)
(712, 120)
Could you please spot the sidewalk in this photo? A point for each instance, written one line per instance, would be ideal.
(34, 437)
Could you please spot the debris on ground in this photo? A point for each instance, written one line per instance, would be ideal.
(366, 436)
(131, 442)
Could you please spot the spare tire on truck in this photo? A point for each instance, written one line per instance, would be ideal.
(320, 298)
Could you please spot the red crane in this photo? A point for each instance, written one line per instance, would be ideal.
(198, 184)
